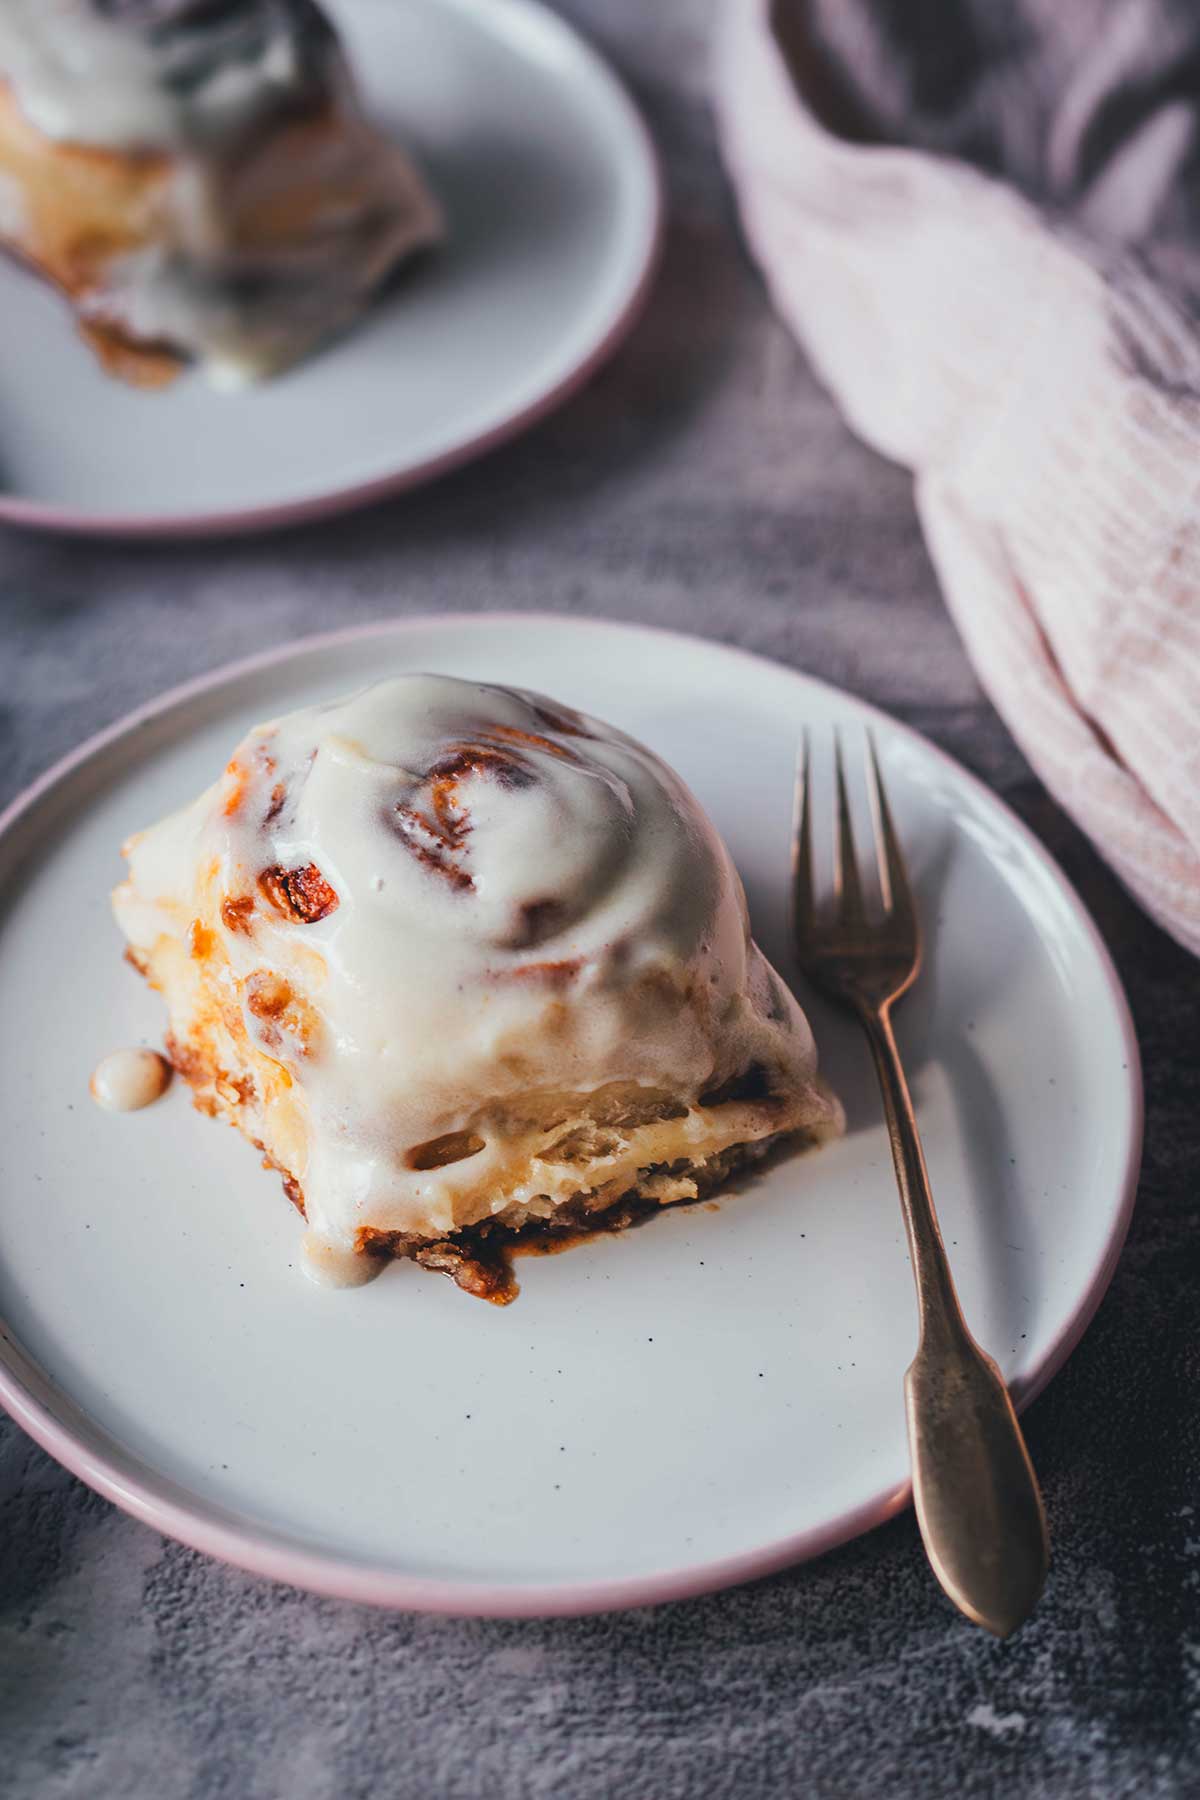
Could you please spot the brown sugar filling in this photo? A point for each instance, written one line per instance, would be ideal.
(301, 894)
(479, 1258)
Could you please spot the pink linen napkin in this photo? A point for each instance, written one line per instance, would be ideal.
(1045, 390)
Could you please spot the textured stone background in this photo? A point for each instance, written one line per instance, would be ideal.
(704, 482)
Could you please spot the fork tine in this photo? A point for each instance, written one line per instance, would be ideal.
(802, 872)
(847, 887)
(893, 874)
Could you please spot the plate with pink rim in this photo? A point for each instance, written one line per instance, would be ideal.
(550, 189)
(671, 1410)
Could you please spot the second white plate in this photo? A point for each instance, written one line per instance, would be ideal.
(550, 190)
(690, 1404)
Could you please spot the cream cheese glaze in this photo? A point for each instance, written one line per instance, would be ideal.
(479, 894)
(155, 74)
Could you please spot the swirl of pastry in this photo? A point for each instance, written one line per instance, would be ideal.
(480, 833)
(443, 907)
(533, 829)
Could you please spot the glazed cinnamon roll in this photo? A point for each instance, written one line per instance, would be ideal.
(466, 965)
(198, 178)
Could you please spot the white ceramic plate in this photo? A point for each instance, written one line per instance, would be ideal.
(695, 1402)
(551, 195)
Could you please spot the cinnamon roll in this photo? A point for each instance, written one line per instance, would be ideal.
(198, 178)
(466, 965)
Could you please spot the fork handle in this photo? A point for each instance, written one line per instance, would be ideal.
(976, 1495)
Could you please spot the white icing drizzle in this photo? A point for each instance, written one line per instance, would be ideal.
(127, 1080)
(86, 76)
(526, 900)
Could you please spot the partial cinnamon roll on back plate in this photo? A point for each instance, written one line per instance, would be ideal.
(468, 967)
(198, 178)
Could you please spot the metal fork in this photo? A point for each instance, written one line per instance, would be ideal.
(976, 1495)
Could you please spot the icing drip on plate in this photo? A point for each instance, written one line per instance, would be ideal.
(127, 1080)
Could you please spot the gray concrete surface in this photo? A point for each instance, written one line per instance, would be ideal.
(703, 481)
